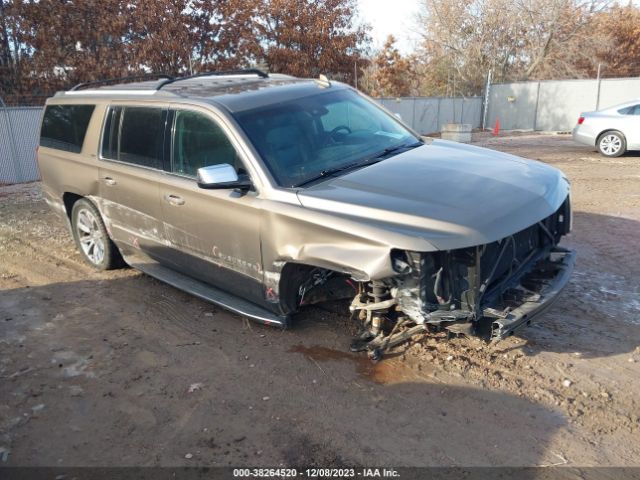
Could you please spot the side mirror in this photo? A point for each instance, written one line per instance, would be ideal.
(220, 177)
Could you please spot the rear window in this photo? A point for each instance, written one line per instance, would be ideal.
(632, 110)
(65, 126)
(134, 135)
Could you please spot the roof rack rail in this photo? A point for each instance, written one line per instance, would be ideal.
(131, 78)
(247, 71)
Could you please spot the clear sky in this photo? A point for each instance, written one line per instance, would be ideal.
(395, 17)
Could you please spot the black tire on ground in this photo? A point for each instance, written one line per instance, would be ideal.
(92, 238)
(612, 143)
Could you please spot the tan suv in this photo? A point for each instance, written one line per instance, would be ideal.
(266, 193)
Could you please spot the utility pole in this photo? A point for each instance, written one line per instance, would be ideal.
(355, 73)
(598, 94)
(485, 106)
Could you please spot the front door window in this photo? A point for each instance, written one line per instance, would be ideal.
(199, 142)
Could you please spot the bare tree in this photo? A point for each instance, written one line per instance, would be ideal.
(519, 39)
(618, 34)
(560, 41)
(10, 47)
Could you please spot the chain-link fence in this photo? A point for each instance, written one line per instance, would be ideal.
(19, 127)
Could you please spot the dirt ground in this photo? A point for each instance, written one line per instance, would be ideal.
(117, 369)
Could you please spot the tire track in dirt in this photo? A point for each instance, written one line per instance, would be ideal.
(173, 309)
(45, 266)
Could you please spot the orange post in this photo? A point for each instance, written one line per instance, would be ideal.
(496, 129)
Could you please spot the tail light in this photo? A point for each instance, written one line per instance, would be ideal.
(580, 120)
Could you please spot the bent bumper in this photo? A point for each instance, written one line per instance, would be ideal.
(563, 261)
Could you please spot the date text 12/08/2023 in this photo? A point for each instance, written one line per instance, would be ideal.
(316, 473)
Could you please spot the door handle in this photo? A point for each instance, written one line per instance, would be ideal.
(174, 199)
(109, 181)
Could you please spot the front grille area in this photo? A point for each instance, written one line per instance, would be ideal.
(486, 290)
(470, 279)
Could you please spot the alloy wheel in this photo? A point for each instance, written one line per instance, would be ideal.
(90, 236)
(610, 144)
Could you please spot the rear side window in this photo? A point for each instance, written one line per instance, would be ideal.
(65, 126)
(134, 135)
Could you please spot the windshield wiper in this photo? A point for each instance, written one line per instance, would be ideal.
(397, 148)
(332, 171)
(378, 157)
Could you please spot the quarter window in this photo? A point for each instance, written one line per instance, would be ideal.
(199, 142)
(65, 126)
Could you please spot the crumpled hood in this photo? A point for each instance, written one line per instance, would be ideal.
(449, 194)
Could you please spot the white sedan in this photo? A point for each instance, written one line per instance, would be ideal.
(612, 131)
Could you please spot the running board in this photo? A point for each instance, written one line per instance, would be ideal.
(206, 292)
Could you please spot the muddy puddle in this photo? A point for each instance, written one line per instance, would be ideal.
(387, 371)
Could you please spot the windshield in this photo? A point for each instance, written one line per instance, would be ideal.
(309, 137)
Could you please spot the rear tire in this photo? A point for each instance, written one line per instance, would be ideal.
(612, 144)
(92, 238)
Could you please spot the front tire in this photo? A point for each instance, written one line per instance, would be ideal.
(92, 238)
(612, 144)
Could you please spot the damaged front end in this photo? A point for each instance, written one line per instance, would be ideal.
(486, 290)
